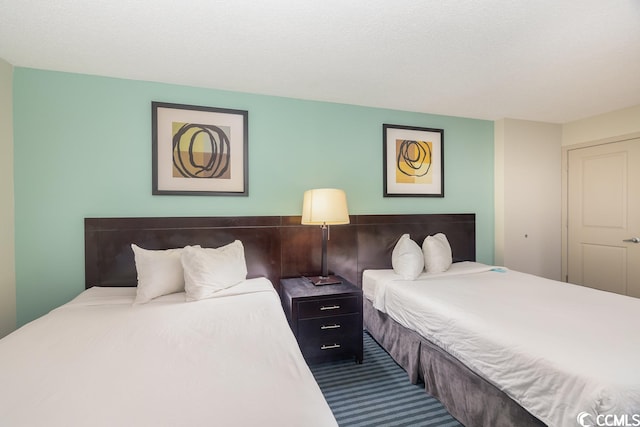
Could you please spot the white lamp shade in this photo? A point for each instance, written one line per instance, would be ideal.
(325, 206)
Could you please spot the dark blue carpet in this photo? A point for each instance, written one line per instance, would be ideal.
(377, 393)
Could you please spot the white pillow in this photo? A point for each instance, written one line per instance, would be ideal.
(407, 259)
(437, 253)
(209, 270)
(159, 273)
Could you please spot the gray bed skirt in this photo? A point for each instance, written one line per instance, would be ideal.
(474, 401)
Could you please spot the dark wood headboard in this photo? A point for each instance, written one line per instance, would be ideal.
(275, 246)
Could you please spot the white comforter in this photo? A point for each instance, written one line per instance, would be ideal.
(557, 349)
(101, 361)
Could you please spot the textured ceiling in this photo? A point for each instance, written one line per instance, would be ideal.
(543, 60)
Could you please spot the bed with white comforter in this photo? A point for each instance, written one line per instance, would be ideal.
(557, 349)
(101, 360)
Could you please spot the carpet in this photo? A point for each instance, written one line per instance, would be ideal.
(377, 393)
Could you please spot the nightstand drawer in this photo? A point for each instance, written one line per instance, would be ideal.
(332, 327)
(328, 307)
(328, 337)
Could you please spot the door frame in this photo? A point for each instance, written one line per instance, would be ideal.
(565, 190)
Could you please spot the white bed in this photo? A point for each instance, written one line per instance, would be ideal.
(101, 360)
(557, 349)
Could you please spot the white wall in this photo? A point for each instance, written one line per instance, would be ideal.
(528, 180)
(499, 189)
(603, 126)
(530, 186)
(7, 251)
(609, 127)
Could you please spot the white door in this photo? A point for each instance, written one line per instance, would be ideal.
(604, 217)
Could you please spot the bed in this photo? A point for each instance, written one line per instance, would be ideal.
(110, 358)
(504, 348)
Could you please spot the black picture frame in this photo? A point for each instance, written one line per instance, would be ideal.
(412, 161)
(199, 150)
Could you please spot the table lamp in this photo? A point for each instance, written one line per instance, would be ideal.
(325, 207)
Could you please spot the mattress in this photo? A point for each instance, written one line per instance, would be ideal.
(560, 350)
(102, 361)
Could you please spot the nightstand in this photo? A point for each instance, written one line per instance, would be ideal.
(326, 320)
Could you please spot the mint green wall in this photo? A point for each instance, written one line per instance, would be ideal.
(83, 149)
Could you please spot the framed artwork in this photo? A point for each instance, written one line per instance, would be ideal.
(413, 161)
(199, 150)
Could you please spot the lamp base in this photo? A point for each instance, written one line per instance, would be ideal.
(324, 280)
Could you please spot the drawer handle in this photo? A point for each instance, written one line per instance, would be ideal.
(329, 347)
(330, 307)
(335, 326)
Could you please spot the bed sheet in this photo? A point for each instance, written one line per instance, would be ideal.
(102, 361)
(557, 349)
